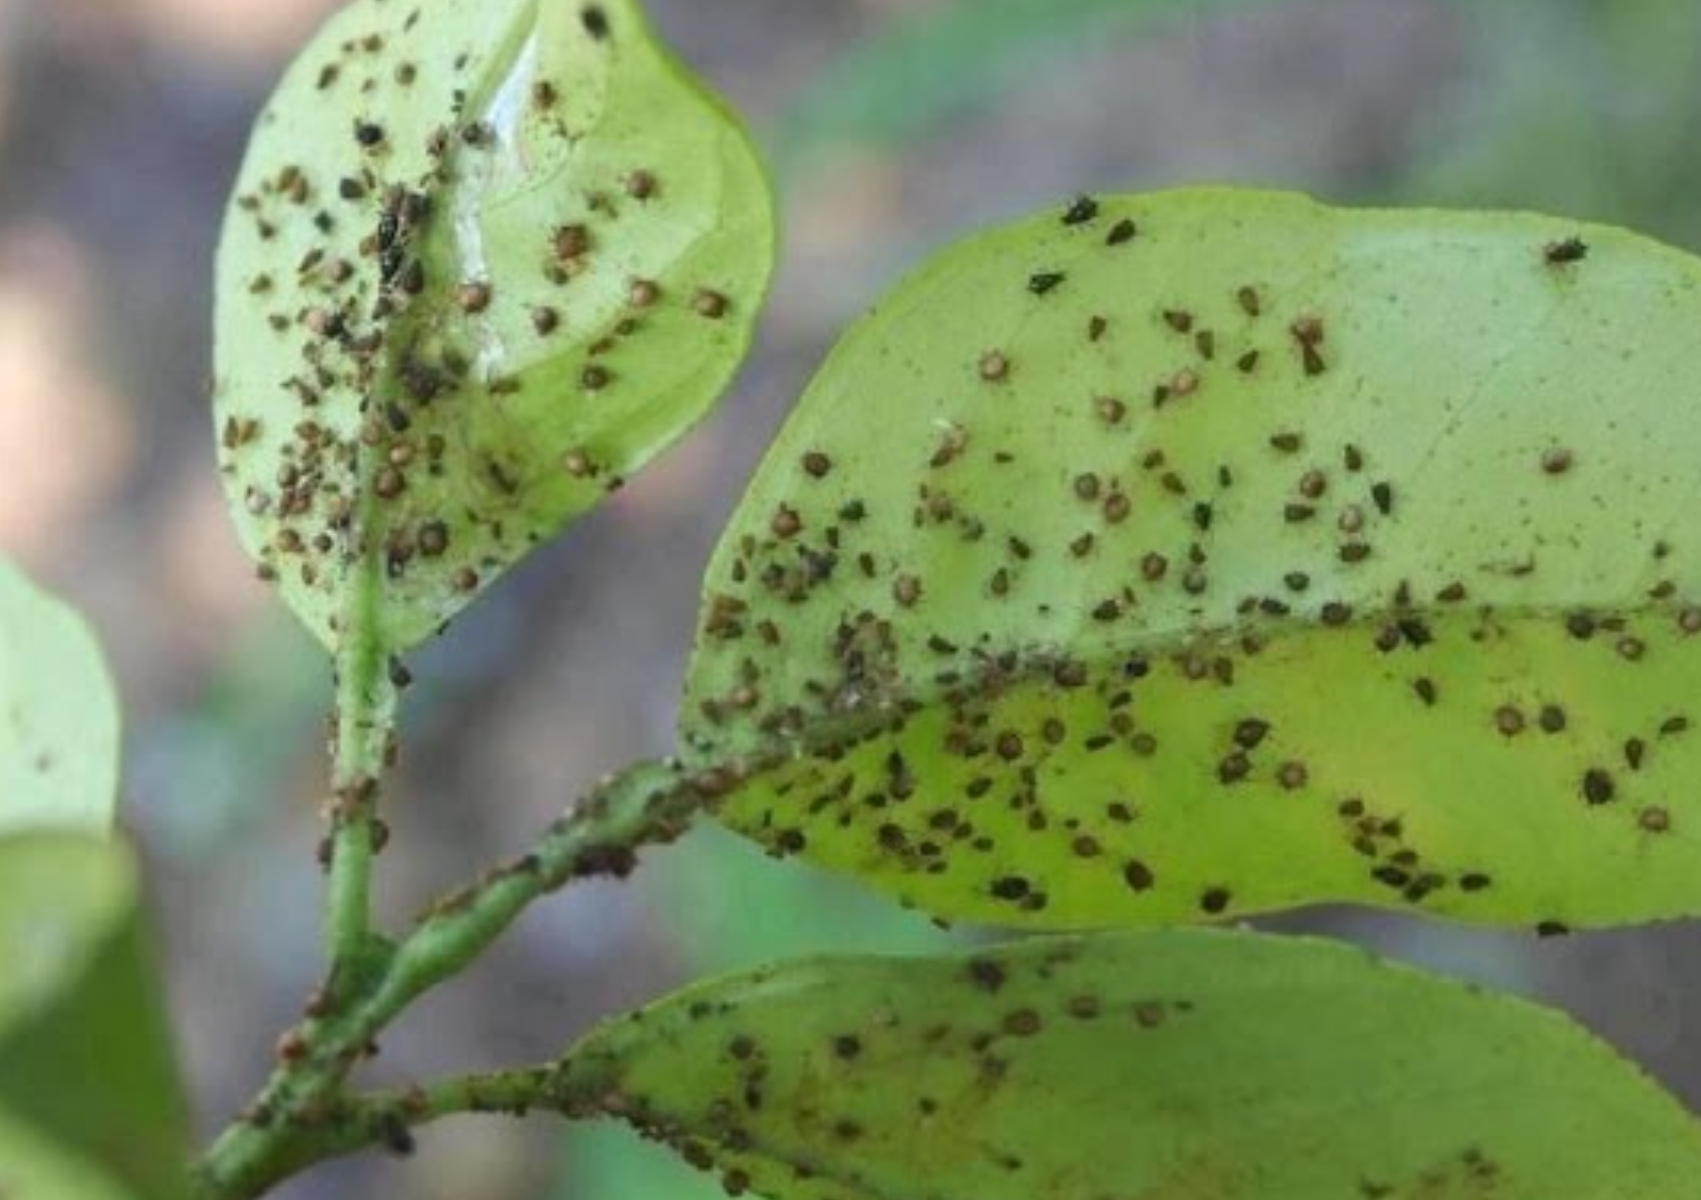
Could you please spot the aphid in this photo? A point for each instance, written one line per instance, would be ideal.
(1598, 786)
(433, 539)
(473, 296)
(1654, 819)
(1556, 460)
(1082, 210)
(368, 134)
(595, 21)
(1043, 282)
(1247, 298)
(545, 320)
(1308, 333)
(570, 241)
(1122, 232)
(594, 378)
(1566, 250)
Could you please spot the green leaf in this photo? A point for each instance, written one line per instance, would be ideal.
(1212, 552)
(33, 1168)
(85, 1050)
(58, 715)
(1185, 1064)
(483, 262)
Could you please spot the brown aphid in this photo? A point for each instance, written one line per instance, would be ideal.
(906, 590)
(1598, 786)
(643, 293)
(1556, 460)
(433, 539)
(465, 580)
(817, 465)
(1508, 720)
(594, 378)
(710, 304)
(994, 367)
(544, 95)
(786, 522)
(545, 320)
(473, 296)
(641, 184)
(1111, 410)
(1138, 876)
(570, 241)
(1654, 819)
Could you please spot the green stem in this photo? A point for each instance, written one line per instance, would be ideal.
(299, 1118)
(366, 722)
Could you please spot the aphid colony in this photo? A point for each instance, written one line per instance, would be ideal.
(900, 630)
(412, 377)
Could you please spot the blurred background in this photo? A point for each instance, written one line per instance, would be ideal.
(893, 125)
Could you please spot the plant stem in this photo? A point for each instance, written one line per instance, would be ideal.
(365, 726)
(299, 1118)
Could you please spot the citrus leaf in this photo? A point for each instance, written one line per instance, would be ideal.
(33, 1168)
(1190, 1063)
(483, 261)
(58, 715)
(1207, 552)
(85, 1051)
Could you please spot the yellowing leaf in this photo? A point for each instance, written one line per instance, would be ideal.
(1192, 1065)
(485, 259)
(1169, 557)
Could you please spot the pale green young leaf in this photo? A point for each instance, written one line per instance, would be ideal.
(1182, 1064)
(85, 1050)
(1174, 556)
(58, 715)
(484, 260)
